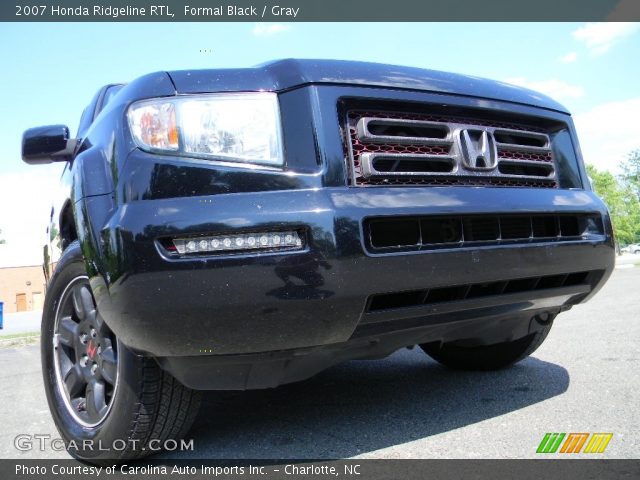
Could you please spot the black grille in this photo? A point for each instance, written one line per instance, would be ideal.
(414, 298)
(406, 148)
(389, 234)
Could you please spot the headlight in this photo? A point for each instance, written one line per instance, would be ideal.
(242, 127)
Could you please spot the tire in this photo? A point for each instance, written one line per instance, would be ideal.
(107, 403)
(487, 357)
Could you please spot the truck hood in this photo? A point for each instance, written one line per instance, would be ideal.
(291, 73)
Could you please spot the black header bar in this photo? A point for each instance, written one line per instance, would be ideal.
(317, 10)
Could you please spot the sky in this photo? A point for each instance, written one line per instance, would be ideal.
(50, 71)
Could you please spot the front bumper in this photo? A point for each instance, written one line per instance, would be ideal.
(255, 303)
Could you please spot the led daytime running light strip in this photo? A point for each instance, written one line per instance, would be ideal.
(238, 242)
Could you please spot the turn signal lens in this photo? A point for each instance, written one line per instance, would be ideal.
(154, 125)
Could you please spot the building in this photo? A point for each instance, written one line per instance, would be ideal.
(22, 284)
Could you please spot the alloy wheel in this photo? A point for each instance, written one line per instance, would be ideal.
(85, 355)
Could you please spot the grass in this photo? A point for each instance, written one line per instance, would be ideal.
(19, 339)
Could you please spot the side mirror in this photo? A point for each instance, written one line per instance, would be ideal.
(47, 144)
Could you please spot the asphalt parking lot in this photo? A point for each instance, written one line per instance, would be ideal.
(583, 379)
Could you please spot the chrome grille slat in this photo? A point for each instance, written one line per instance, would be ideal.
(532, 165)
(540, 137)
(369, 160)
(365, 134)
(522, 148)
(417, 149)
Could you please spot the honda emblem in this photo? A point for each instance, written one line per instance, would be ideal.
(478, 149)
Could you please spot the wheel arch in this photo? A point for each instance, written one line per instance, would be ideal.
(68, 230)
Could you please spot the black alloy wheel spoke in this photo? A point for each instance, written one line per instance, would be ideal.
(109, 366)
(74, 381)
(83, 302)
(67, 332)
(96, 400)
(101, 325)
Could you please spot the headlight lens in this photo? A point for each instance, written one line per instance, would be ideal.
(228, 127)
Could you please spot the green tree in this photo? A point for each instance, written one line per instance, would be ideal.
(1, 239)
(631, 172)
(623, 204)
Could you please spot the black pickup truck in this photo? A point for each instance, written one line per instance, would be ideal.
(246, 228)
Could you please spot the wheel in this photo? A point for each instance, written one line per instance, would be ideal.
(107, 402)
(487, 357)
